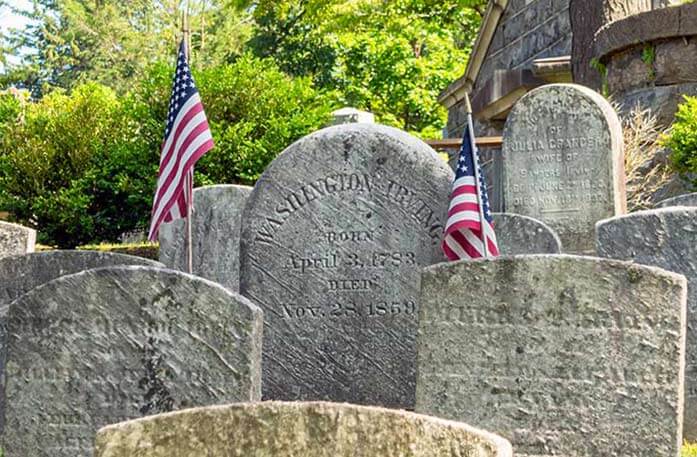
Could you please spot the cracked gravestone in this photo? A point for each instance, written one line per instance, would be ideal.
(118, 343)
(334, 236)
(561, 355)
(215, 232)
(563, 162)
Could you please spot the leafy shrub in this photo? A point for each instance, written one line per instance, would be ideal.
(683, 138)
(81, 167)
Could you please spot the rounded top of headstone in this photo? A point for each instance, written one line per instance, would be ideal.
(223, 188)
(373, 145)
(567, 263)
(629, 218)
(349, 115)
(21, 273)
(567, 96)
(680, 200)
(308, 429)
(517, 234)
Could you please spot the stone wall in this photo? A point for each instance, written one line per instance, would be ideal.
(528, 30)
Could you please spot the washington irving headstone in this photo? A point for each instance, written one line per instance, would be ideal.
(563, 162)
(118, 343)
(333, 238)
(561, 355)
(215, 233)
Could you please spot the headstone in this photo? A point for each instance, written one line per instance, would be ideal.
(19, 274)
(665, 238)
(518, 235)
(563, 162)
(215, 232)
(333, 239)
(296, 429)
(350, 115)
(16, 239)
(561, 355)
(118, 343)
(680, 200)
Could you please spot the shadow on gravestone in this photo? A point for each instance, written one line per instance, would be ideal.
(562, 355)
(665, 238)
(112, 344)
(333, 239)
(563, 162)
(16, 239)
(518, 235)
(680, 200)
(296, 429)
(215, 232)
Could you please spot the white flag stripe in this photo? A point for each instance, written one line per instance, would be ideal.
(464, 198)
(464, 181)
(455, 246)
(195, 121)
(474, 241)
(190, 103)
(176, 182)
(462, 216)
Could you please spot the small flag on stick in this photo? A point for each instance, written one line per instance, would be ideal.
(187, 138)
(469, 231)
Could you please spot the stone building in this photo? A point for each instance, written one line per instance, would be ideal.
(522, 44)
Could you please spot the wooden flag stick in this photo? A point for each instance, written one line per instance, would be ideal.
(475, 160)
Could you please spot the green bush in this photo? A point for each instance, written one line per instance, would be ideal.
(683, 138)
(81, 167)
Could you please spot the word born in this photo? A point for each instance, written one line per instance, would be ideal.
(348, 310)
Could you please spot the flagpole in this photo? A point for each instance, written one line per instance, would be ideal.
(190, 176)
(475, 160)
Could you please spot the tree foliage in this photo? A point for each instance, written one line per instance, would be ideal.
(683, 139)
(82, 166)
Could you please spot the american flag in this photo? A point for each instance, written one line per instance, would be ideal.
(469, 204)
(187, 138)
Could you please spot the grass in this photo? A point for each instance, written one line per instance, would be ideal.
(689, 450)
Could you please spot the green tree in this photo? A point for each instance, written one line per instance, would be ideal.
(81, 166)
(683, 139)
(391, 58)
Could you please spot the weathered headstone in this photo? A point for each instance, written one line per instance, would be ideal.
(16, 239)
(518, 235)
(563, 162)
(118, 343)
(215, 232)
(561, 355)
(296, 429)
(19, 274)
(333, 239)
(666, 238)
(680, 200)
(350, 115)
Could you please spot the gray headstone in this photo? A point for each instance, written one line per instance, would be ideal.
(333, 239)
(118, 343)
(561, 355)
(19, 274)
(296, 429)
(680, 200)
(666, 238)
(16, 239)
(215, 232)
(563, 162)
(518, 235)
